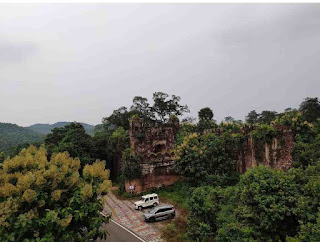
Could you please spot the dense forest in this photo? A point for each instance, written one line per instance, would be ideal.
(12, 135)
(221, 204)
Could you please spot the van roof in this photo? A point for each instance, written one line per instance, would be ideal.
(150, 195)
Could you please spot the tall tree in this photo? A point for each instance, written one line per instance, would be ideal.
(72, 138)
(310, 108)
(229, 119)
(205, 114)
(164, 107)
(206, 121)
(120, 118)
(142, 106)
(266, 117)
(252, 117)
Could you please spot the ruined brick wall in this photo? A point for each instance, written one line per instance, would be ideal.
(277, 154)
(154, 143)
(147, 138)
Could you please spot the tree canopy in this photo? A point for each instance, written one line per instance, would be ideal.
(310, 108)
(49, 200)
(205, 114)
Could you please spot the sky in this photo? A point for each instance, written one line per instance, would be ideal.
(79, 62)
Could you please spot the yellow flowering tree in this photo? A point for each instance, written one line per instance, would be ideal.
(43, 200)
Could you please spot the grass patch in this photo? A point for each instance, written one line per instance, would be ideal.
(178, 194)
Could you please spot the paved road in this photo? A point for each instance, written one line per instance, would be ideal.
(123, 212)
(118, 234)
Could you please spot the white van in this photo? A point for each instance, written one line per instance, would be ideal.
(147, 201)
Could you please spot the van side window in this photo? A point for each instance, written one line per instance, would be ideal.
(151, 198)
(155, 197)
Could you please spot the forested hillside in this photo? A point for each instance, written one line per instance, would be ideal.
(46, 128)
(12, 135)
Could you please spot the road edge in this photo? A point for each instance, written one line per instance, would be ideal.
(126, 229)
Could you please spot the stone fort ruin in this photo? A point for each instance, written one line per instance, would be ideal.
(154, 143)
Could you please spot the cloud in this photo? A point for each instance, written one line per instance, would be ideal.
(16, 51)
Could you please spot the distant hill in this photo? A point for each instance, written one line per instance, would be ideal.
(12, 135)
(46, 128)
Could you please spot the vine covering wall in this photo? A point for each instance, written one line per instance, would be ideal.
(270, 146)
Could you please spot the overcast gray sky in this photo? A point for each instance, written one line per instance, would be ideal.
(79, 62)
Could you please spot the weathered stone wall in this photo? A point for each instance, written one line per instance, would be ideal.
(154, 143)
(147, 138)
(277, 154)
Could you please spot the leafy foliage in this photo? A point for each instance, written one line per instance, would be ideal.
(252, 117)
(310, 108)
(205, 158)
(120, 118)
(265, 117)
(49, 200)
(164, 107)
(73, 139)
(205, 114)
(130, 166)
(259, 208)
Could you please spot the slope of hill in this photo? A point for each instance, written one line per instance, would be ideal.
(46, 128)
(12, 135)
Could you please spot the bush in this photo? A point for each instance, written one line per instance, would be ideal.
(50, 200)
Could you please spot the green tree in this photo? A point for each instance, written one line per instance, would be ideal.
(266, 117)
(305, 154)
(205, 114)
(266, 202)
(142, 107)
(73, 139)
(130, 166)
(120, 118)
(204, 208)
(229, 119)
(120, 141)
(252, 117)
(206, 121)
(205, 159)
(310, 108)
(43, 200)
(163, 107)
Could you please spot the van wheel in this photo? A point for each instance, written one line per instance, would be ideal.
(152, 220)
(140, 208)
(173, 215)
(155, 204)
